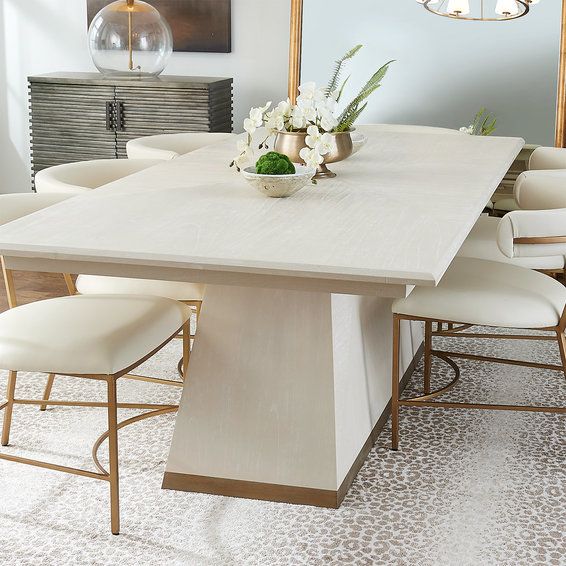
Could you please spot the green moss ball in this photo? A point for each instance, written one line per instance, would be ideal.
(274, 163)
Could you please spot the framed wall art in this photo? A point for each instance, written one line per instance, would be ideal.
(196, 25)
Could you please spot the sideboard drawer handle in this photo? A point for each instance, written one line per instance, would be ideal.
(120, 116)
(109, 112)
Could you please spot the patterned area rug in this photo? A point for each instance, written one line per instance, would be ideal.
(467, 487)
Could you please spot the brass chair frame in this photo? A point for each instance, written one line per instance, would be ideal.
(112, 405)
(455, 329)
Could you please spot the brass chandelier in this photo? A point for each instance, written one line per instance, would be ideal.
(479, 10)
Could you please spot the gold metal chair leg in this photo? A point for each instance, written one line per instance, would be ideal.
(70, 284)
(427, 356)
(113, 456)
(562, 345)
(395, 384)
(8, 277)
(47, 391)
(9, 407)
(186, 348)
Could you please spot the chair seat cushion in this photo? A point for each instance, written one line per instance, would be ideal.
(488, 293)
(481, 243)
(98, 284)
(87, 334)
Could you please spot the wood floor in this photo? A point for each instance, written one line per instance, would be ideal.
(32, 287)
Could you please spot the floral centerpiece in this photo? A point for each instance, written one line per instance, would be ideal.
(312, 130)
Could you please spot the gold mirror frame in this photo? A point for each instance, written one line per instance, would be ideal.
(295, 54)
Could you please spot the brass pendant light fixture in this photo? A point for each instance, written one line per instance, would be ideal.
(479, 10)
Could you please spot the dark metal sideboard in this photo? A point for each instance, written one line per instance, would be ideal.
(81, 116)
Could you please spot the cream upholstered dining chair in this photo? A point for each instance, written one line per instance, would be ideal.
(534, 190)
(171, 146)
(82, 176)
(96, 337)
(494, 294)
(542, 159)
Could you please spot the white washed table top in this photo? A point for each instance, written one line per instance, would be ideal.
(397, 213)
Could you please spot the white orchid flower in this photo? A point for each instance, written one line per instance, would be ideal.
(284, 107)
(313, 136)
(249, 126)
(310, 114)
(311, 157)
(308, 89)
(298, 120)
(469, 130)
(321, 142)
(327, 104)
(256, 118)
(275, 121)
(327, 120)
(304, 103)
(324, 144)
(245, 153)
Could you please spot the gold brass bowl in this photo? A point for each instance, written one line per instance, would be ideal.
(291, 143)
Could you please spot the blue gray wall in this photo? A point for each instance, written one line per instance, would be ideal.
(446, 70)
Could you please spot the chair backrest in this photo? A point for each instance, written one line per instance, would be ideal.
(533, 233)
(547, 158)
(18, 205)
(171, 146)
(82, 176)
(541, 190)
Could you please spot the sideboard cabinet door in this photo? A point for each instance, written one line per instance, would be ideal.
(146, 110)
(69, 123)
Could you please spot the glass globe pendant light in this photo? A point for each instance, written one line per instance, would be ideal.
(130, 38)
(479, 10)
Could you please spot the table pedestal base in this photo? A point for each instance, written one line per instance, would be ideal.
(287, 391)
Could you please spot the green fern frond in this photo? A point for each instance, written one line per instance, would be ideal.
(353, 110)
(335, 79)
(349, 122)
(341, 91)
(484, 123)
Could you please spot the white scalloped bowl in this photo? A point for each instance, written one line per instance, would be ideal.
(280, 186)
(358, 141)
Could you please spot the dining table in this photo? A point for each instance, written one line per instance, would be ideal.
(289, 378)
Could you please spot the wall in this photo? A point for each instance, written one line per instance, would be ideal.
(42, 36)
(445, 70)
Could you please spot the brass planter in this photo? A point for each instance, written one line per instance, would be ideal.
(291, 143)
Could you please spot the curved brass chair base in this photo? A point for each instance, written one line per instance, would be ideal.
(150, 414)
(444, 389)
(180, 369)
(455, 329)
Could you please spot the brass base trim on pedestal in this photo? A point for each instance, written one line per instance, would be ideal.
(287, 493)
